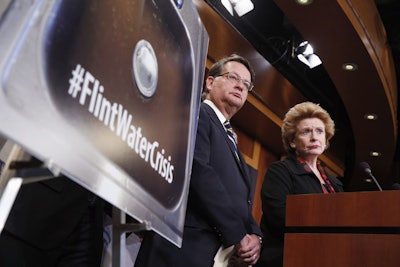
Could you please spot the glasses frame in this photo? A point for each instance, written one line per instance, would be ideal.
(234, 77)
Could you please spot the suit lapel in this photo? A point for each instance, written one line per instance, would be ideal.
(239, 158)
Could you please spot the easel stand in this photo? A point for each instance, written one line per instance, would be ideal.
(20, 169)
(119, 230)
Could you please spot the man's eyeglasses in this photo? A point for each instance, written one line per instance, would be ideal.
(233, 77)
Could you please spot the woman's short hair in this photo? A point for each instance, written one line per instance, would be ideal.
(302, 111)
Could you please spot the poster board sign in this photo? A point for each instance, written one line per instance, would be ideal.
(108, 93)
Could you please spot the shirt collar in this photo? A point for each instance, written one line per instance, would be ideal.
(219, 114)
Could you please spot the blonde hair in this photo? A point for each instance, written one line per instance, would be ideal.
(302, 111)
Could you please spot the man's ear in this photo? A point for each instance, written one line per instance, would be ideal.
(209, 82)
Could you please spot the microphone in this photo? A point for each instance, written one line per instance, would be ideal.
(367, 169)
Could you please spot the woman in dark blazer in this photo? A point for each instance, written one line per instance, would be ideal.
(306, 131)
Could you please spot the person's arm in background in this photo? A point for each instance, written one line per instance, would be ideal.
(276, 186)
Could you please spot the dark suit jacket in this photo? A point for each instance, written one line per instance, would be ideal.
(219, 202)
(45, 213)
(286, 177)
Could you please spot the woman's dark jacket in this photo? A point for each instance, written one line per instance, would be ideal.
(286, 177)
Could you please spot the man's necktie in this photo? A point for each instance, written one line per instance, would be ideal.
(231, 134)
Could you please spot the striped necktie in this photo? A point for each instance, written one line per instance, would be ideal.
(231, 134)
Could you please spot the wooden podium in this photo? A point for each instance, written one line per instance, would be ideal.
(359, 229)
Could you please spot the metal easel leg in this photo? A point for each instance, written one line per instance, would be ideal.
(119, 230)
(7, 199)
(9, 185)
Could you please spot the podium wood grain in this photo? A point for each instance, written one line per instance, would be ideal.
(351, 229)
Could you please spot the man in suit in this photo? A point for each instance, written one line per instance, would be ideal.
(219, 209)
(52, 223)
